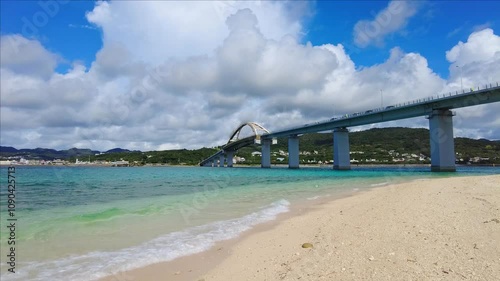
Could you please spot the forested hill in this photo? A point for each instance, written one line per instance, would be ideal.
(384, 145)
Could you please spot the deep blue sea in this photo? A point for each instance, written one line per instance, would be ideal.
(83, 223)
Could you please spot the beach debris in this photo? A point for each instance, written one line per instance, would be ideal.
(492, 220)
(177, 273)
(392, 254)
(371, 258)
(307, 245)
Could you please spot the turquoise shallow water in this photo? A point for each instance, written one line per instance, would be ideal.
(82, 223)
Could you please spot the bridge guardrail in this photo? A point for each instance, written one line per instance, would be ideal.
(210, 157)
(386, 108)
(399, 105)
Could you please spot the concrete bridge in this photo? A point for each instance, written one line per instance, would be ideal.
(234, 143)
(436, 109)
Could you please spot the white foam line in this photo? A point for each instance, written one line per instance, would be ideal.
(95, 265)
(379, 184)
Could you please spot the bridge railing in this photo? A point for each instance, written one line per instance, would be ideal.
(211, 156)
(404, 104)
(389, 107)
(446, 95)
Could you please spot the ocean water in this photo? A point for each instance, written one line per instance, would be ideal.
(83, 223)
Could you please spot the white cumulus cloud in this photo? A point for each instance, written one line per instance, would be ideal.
(25, 56)
(157, 30)
(197, 98)
(481, 47)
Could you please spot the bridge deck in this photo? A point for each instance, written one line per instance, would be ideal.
(420, 107)
(416, 108)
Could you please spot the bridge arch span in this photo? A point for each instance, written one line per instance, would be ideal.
(256, 128)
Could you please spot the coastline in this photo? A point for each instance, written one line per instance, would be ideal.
(247, 166)
(446, 228)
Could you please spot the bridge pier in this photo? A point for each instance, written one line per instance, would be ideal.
(442, 142)
(341, 155)
(293, 152)
(229, 157)
(266, 154)
(221, 161)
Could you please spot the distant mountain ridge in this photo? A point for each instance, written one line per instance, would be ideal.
(117, 150)
(51, 154)
(45, 153)
(8, 149)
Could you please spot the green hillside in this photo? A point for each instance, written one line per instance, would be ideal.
(171, 157)
(382, 145)
(374, 146)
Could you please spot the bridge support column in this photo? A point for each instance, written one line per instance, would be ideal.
(442, 142)
(221, 161)
(341, 155)
(266, 154)
(293, 152)
(229, 156)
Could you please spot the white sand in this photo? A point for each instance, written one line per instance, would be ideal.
(439, 229)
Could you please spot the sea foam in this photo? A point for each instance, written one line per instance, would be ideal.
(379, 184)
(95, 265)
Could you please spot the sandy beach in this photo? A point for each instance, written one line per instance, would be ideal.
(439, 229)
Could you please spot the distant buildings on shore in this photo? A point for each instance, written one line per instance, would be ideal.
(383, 157)
(310, 157)
(60, 162)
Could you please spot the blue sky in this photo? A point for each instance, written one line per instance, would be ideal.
(63, 34)
(436, 28)
(158, 74)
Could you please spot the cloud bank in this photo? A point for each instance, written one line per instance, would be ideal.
(178, 89)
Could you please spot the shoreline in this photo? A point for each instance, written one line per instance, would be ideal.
(347, 232)
(182, 269)
(252, 166)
